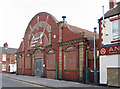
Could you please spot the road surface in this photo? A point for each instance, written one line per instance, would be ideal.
(8, 82)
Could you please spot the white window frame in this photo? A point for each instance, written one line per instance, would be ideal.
(3, 66)
(4, 57)
(116, 35)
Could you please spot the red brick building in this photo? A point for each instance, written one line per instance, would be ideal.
(54, 49)
(7, 59)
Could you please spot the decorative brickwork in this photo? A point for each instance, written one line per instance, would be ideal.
(60, 62)
(70, 63)
(81, 59)
(50, 64)
(19, 59)
(51, 74)
(70, 59)
(19, 64)
(60, 51)
(28, 61)
(44, 25)
(51, 61)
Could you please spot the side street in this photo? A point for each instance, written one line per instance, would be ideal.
(55, 54)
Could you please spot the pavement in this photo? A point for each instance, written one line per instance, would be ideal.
(46, 82)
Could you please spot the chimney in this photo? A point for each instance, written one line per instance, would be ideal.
(112, 3)
(63, 18)
(5, 45)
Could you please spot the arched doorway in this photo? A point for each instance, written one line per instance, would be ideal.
(38, 62)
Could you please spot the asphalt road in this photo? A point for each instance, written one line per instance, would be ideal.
(8, 82)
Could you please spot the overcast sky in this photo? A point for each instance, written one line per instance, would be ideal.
(16, 14)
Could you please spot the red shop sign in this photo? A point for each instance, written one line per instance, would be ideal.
(109, 50)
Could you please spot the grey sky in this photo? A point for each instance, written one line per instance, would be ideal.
(16, 14)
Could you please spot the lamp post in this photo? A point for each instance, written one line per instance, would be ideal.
(95, 67)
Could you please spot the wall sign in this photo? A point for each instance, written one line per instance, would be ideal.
(110, 50)
(37, 39)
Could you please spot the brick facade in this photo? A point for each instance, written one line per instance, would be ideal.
(61, 48)
(7, 59)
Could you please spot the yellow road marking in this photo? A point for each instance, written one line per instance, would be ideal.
(25, 82)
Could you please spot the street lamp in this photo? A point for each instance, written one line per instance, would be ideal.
(95, 67)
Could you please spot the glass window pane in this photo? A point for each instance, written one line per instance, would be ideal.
(4, 67)
(115, 29)
(4, 57)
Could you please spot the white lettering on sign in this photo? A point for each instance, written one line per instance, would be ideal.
(110, 50)
(117, 48)
(34, 42)
(36, 38)
(33, 45)
(114, 49)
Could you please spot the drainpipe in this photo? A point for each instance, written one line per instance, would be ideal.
(87, 63)
(56, 70)
(95, 66)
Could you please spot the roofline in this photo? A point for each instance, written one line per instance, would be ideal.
(54, 19)
(118, 13)
(107, 17)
